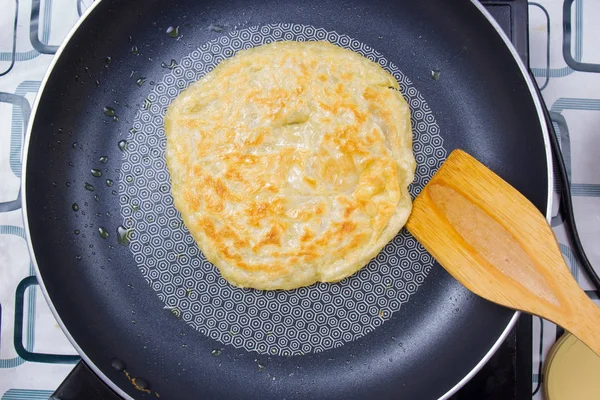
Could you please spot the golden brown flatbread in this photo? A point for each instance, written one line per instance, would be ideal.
(290, 163)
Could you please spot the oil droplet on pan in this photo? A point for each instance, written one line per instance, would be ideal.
(173, 31)
(140, 383)
(216, 28)
(103, 159)
(435, 74)
(117, 364)
(109, 182)
(124, 235)
(216, 352)
(89, 187)
(140, 81)
(109, 111)
(103, 233)
(176, 312)
(172, 65)
(75, 207)
(122, 145)
(96, 172)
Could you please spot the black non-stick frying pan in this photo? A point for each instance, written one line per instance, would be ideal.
(154, 310)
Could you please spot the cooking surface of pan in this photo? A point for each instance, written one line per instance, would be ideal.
(99, 88)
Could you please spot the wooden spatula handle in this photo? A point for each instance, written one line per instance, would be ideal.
(585, 323)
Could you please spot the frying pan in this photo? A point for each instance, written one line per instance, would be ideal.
(111, 82)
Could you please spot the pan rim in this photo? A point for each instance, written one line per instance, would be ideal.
(550, 172)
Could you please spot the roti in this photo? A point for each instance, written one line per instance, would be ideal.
(290, 163)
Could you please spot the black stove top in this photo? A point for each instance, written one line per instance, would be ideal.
(513, 17)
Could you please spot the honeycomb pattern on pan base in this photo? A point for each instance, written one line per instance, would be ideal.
(309, 319)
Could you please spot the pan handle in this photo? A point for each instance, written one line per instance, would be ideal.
(83, 384)
(20, 327)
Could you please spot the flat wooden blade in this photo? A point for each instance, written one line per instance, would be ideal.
(489, 237)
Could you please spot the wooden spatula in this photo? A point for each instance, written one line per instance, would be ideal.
(491, 239)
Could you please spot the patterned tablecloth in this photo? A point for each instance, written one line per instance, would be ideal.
(31, 30)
